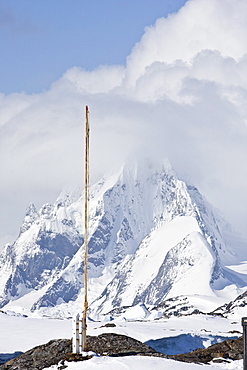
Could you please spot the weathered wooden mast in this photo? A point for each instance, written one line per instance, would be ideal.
(86, 199)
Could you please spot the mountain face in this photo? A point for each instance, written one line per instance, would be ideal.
(151, 238)
(236, 307)
(45, 246)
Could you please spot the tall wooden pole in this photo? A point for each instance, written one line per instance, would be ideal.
(86, 188)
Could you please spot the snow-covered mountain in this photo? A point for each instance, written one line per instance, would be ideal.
(152, 237)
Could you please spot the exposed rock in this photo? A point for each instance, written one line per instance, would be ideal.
(111, 344)
(40, 357)
(228, 349)
(60, 350)
(109, 325)
(231, 307)
(4, 357)
(176, 306)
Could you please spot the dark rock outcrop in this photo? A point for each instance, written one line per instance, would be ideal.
(228, 349)
(60, 350)
(110, 344)
(229, 308)
(40, 357)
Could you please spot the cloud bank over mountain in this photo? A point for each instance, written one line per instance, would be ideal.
(181, 95)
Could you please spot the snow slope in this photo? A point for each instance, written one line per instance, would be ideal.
(142, 363)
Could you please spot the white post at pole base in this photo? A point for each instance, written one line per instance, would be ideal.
(75, 337)
(81, 334)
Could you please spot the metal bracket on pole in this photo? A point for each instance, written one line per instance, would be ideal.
(75, 338)
(244, 324)
(81, 333)
(78, 334)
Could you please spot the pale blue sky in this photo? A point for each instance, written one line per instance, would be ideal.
(41, 39)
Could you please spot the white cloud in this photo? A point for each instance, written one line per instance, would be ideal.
(199, 25)
(101, 80)
(182, 95)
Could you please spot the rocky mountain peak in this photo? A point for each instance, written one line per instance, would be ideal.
(150, 236)
(30, 217)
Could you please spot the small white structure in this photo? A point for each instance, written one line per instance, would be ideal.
(77, 338)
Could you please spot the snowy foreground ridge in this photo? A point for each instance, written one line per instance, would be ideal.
(142, 363)
(176, 331)
(154, 243)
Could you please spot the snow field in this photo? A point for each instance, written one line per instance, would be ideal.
(143, 363)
